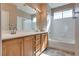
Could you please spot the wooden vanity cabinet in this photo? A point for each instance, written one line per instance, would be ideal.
(32, 45)
(41, 43)
(18, 47)
(11, 47)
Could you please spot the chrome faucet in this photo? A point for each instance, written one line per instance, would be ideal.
(12, 29)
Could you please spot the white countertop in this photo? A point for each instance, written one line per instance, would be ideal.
(18, 34)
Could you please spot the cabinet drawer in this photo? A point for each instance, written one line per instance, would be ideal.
(44, 34)
(38, 53)
(38, 42)
(36, 46)
(38, 37)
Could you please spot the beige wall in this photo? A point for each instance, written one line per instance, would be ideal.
(42, 16)
(77, 31)
(77, 38)
(12, 12)
(0, 33)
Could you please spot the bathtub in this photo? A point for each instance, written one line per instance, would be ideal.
(65, 45)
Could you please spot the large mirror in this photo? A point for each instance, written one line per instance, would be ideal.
(19, 16)
(26, 21)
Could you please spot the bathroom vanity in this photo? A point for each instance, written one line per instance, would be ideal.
(24, 44)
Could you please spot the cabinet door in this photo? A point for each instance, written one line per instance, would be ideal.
(11, 47)
(28, 50)
(44, 41)
(38, 45)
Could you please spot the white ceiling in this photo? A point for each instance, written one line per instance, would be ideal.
(26, 8)
(54, 5)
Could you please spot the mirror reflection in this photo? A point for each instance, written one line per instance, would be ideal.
(17, 17)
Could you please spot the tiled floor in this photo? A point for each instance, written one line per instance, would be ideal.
(54, 52)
